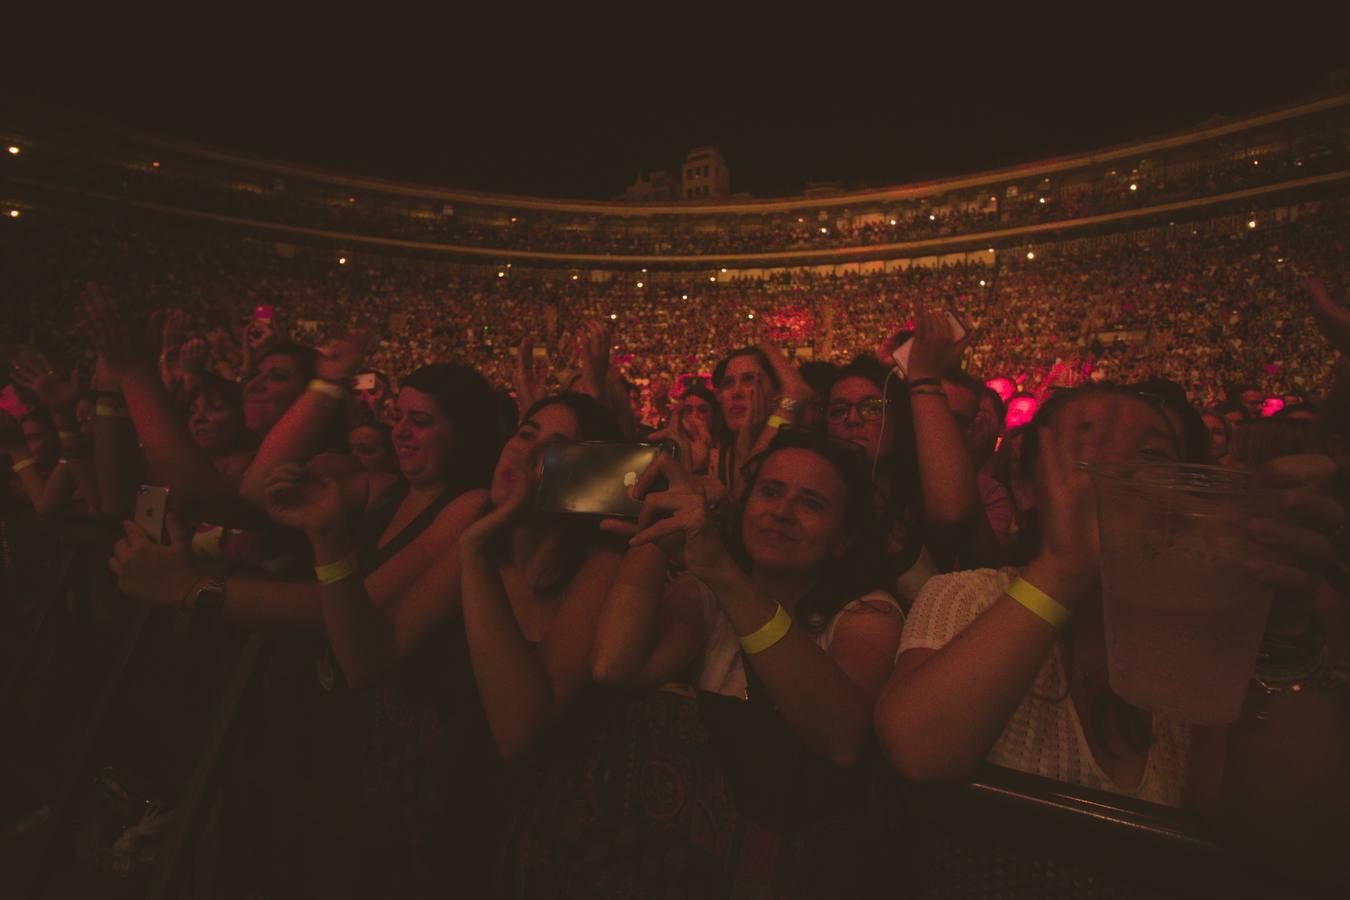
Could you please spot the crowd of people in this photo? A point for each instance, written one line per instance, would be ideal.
(832, 559)
(1206, 305)
(1227, 166)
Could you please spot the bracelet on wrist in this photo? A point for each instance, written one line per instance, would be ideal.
(1037, 601)
(923, 382)
(927, 392)
(777, 421)
(334, 572)
(105, 410)
(768, 634)
(22, 464)
(327, 388)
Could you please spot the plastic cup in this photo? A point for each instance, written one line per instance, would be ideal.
(1183, 618)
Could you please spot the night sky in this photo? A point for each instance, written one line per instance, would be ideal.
(484, 108)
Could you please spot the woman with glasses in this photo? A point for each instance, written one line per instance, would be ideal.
(776, 624)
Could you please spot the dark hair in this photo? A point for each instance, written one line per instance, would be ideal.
(467, 400)
(594, 423)
(721, 368)
(1000, 408)
(1164, 396)
(214, 387)
(855, 572)
(1258, 441)
(704, 393)
(307, 358)
(819, 374)
(41, 416)
(899, 462)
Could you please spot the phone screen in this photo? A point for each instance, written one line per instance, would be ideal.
(592, 478)
(901, 354)
(364, 382)
(262, 313)
(152, 506)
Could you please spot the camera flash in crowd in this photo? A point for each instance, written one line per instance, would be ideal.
(1251, 223)
(342, 260)
(1133, 186)
(1031, 254)
(13, 213)
(13, 150)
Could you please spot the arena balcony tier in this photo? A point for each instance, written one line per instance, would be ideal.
(1236, 167)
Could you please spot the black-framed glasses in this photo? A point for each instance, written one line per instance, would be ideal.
(869, 409)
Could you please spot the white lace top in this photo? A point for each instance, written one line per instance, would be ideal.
(1044, 735)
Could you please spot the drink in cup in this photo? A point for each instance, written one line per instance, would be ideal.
(1183, 618)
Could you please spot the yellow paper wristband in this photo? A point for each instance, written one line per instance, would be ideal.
(336, 571)
(22, 464)
(1047, 608)
(777, 421)
(111, 411)
(327, 388)
(770, 633)
(67, 435)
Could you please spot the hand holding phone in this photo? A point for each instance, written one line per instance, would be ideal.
(934, 347)
(595, 478)
(152, 506)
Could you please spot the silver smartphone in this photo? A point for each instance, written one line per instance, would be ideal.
(152, 506)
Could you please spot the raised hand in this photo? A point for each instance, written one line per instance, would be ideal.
(790, 381)
(162, 575)
(682, 520)
(594, 341)
(934, 349)
(339, 359)
(529, 386)
(122, 348)
(297, 499)
(494, 519)
(32, 370)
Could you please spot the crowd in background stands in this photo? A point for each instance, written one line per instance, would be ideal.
(1023, 202)
(1205, 305)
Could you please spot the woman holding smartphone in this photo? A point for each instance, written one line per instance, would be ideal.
(776, 624)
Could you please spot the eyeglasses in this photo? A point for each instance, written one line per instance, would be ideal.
(869, 409)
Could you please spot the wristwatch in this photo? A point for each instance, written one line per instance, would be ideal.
(208, 595)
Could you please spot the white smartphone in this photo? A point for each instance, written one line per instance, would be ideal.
(152, 505)
(901, 354)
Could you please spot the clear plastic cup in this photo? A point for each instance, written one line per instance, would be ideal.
(1183, 618)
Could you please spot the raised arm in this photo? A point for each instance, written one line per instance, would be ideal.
(170, 453)
(372, 621)
(942, 709)
(525, 687)
(299, 433)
